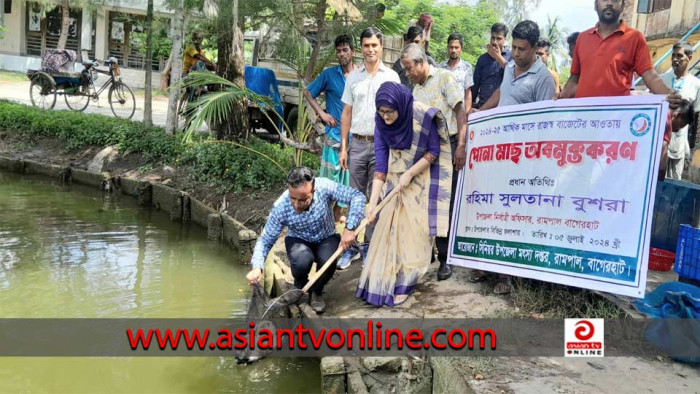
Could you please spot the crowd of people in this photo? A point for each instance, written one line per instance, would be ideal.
(402, 130)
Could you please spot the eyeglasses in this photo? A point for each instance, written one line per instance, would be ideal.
(389, 112)
(304, 201)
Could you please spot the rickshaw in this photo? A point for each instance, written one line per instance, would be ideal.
(57, 77)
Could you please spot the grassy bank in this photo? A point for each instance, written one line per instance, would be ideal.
(12, 76)
(221, 165)
(551, 300)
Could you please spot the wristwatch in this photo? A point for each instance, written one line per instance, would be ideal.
(351, 229)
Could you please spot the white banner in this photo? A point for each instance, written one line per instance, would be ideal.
(561, 191)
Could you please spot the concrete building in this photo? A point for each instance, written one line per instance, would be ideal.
(663, 23)
(663, 18)
(100, 32)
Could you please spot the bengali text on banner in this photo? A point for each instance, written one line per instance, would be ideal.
(561, 191)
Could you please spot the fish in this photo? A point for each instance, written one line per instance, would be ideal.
(247, 355)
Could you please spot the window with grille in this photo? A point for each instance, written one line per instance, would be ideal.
(127, 43)
(650, 6)
(644, 6)
(8, 6)
(660, 5)
(43, 33)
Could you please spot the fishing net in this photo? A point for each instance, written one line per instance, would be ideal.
(261, 310)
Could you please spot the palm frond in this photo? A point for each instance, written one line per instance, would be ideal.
(201, 78)
(216, 106)
(556, 34)
(325, 58)
(388, 27)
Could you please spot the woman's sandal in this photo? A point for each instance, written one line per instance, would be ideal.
(397, 303)
(477, 276)
(503, 286)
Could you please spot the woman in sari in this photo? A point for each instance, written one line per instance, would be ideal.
(413, 155)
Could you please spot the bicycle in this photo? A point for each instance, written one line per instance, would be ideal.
(79, 88)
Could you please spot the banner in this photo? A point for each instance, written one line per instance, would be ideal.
(561, 191)
(345, 337)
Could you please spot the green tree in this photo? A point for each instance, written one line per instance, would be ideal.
(66, 5)
(181, 9)
(556, 35)
(148, 99)
(231, 66)
(302, 32)
(513, 12)
(472, 21)
(178, 22)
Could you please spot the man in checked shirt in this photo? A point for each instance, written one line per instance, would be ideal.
(306, 209)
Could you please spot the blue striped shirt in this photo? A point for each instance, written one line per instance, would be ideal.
(313, 225)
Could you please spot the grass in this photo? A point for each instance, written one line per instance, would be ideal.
(156, 93)
(260, 166)
(23, 145)
(12, 76)
(477, 368)
(550, 300)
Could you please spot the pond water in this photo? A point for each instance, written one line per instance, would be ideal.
(74, 252)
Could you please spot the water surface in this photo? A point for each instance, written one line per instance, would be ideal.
(75, 252)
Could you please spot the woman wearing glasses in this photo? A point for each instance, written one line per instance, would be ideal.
(413, 155)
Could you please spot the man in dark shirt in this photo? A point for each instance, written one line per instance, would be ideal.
(488, 72)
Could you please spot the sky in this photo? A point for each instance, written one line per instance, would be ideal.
(575, 15)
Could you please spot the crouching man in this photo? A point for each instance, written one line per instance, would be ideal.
(306, 209)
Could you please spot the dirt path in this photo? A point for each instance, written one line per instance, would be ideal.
(458, 298)
(19, 92)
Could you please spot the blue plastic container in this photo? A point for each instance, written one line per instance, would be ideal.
(688, 252)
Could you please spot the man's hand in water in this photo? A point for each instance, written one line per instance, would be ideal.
(254, 276)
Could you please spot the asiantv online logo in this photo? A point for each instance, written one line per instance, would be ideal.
(584, 338)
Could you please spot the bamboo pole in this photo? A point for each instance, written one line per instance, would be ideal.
(340, 250)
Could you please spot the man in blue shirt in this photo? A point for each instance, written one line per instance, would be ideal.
(488, 73)
(332, 83)
(305, 209)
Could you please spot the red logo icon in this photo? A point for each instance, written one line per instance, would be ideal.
(584, 337)
(584, 330)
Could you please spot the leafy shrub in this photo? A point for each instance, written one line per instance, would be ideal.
(230, 168)
(219, 164)
(80, 130)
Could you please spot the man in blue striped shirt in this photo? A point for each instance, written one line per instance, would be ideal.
(306, 209)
